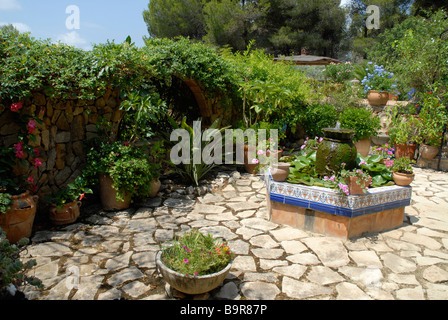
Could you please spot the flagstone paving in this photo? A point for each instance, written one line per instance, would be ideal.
(111, 255)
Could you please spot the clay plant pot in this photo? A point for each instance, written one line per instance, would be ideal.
(108, 195)
(248, 165)
(403, 179)
(429, 152)
(155, 188)
(280, 171)
(363, 147)
(405, 150)
(68, 214)
(353, 186)
(18, 221)
(191, 284)
(378, 98)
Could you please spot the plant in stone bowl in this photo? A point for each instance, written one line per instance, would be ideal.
(195, 263)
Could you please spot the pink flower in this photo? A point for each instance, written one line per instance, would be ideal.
(36, 152)
(30, 179)
(255, 161)
(32, 125)
(82, 197)
(37, 163)
(362, 162)
(186, 261)
(15, 107)
(260, 152)
(344, 188)
(19, 150)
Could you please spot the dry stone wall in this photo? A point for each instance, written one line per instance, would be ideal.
(66, 126)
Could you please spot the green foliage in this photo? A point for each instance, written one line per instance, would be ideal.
(129, 167)
(5, 202)
(316, 117)
(361, 120)
(339, 73)
(196, 254)
(74, 191)
(404, 125)
(12, 270)
(403, 165)
(377, 78)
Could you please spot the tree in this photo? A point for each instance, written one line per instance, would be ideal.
(172, 18)
(420, 6)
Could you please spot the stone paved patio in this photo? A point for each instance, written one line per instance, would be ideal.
(111, 255)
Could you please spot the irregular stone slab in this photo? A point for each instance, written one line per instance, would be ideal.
(162, 235)
(366, 258)
(59, 292)
(229, 291)
(243, 206)
(119, 262)
(371, 277)
(287, 233)
(219, 232)
(226, 216)
(179, 203)
(244, 263)
(421, 240)
(112, 294)
(268, 264)
(410, 293)
(304, 258)
(264, 241)
(88, 287)
(258, 223)
(142, 213)
(323, 275)
(293, 246)
(259, 290)
(294, 271)
(141, 225)
(105, 231)
(208, 208)
(398, 245)
(398, 264)
(350, 291)
(49, 249)
(268, 253)
(145, 259)
(210, 198)
(435, 274)
(330, 251)
(131, 273)
(45, 236)
(136, 289)
(403, 279)
(248, 233)
(301, 290)
(256, 276)
(239, 247)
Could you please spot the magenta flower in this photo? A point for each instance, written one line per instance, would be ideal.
(32, 125)
(186, 261)
(255, 161)
(37, 163)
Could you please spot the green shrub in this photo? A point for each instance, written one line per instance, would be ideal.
(316, 117)
(361, 120)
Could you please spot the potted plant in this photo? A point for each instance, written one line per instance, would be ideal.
(339, 73)
(195, 263)
(403, 173)
(366, 125)
(13, 270)
(377, 83)
(123, 172)
(432, 120)
(404, 131)
(65, 204)
(357, 181)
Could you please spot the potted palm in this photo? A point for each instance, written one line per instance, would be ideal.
(403, 173)
(195, 263)
(123, 172)
(65, 204)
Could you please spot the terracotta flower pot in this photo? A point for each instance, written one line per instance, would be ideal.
(354, 188)
(18, 221)
(68, 214)
(363, 147)
(248, 165)
(378, 98)
(191, 284)
(429, 152)
(405, 150)
(403, 179)
(155, 187)
(280, 171)
(108, 195)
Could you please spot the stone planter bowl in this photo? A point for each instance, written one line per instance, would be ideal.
(191, 284)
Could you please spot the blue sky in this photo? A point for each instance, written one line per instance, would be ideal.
(100, 20)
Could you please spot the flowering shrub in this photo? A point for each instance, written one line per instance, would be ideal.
(74, 191)
(339, 73)
(195, 254)
(378, 78)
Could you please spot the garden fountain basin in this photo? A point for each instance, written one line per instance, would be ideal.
(326, 211)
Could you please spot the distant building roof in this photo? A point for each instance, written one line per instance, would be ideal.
(305, 59)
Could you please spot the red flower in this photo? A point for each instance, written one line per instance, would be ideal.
(32, 125)
(15, 107)
(31, 179)
(36, 152)
(19, 150)
(82, 196)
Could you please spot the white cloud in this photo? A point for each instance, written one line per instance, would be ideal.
(74, 39)
(18, 25)
(10, 5)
